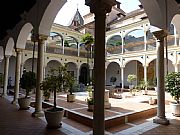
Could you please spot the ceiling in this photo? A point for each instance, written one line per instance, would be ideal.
(10, 11)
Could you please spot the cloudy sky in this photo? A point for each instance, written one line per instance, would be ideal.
(70, 7)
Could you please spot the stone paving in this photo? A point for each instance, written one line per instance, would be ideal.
(15, 122)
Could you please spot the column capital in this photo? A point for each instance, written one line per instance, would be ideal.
(7, 56)
(160, 34)
(98, 6)
(18, 50)
(43, 37)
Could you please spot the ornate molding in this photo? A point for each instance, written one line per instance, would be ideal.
(160, 35)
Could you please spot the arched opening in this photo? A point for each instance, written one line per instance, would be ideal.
(113, 70)
(114, 44)
(71, 46)
(11, 75)
(28, 65)
(72, 68)
(84, 74)
(53, 64)
(134, 41)
(133, 67)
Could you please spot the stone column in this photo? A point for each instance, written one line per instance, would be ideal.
(78, 74)
(17, 76)
(22, 68)
(145, 73)
(78, 50)
(145, 41)
(161, 118)
(99, 8)
(122, 44)
(63, 45)
(6, 68)
(40, 70)
(176, 67)
(122, 78)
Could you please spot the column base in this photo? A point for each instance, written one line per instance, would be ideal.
(4, 95)
(14, 102)
(38, 114)
(162, 121)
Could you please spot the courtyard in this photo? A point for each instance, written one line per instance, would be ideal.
(136, 111)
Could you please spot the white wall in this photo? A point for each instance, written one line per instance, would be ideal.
(113, 69)
(130, 68)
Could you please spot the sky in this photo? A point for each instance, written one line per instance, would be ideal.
(69, 9)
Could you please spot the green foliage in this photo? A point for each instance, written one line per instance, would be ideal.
(87, 39)
(172, 85)
(113, 79)
(66, 44)
(143, 85)
(131, 78)
(28, 81)
(1, 79)
(57, 80)
(90, 101)
(69, 82)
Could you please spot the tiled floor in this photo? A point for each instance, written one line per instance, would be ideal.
(15, 122)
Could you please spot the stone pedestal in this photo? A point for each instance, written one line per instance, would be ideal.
(107, 105)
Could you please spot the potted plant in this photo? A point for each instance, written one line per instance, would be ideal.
(143, 86)
(90, 90)
(27, 82)
(113, 80)
(70, 84)
(90, 102)
(55, 82)
(172, 85)
(130, 79)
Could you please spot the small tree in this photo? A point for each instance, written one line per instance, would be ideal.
(56, 81)
(28, 82)
(69, 83)
(131, 78)
(172, 85)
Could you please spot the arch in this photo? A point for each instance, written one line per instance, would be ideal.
(84, 74)
(54, 37)
(51, 64)
(134, 40)
(175, 21)
(113, 70)
(114, 44)
(70, 41)
(23, 35)
(125, 34)
(9, 46)
(126, 62)
(49, 16)
(157, 16)
(72, 68)
(28, 64)
(133, 67)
